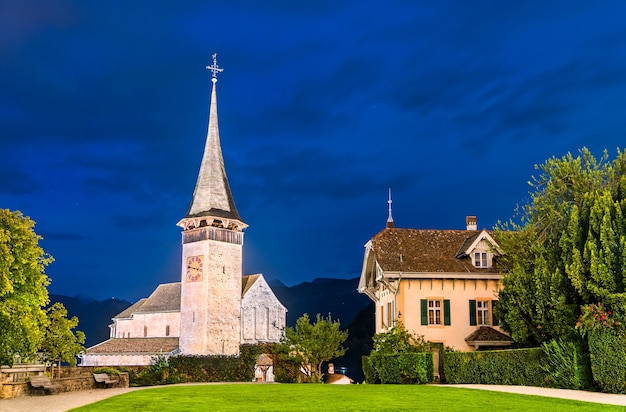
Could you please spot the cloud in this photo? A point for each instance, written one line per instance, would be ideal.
(16, 182)
(62, 236)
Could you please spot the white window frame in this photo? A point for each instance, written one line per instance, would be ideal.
(435, 312)
(481, 259)
(483, 312)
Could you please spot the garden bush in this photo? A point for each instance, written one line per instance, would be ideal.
(500, 367)
(567, 365)
(177, 369)
(607, 349)
(108, 370)
(405, 368)
(368, 370)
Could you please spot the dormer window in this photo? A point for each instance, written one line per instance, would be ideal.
(481, 260)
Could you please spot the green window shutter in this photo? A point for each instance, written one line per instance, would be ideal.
(472, 311)
(494, 319)
(424, 311)
(446, 312)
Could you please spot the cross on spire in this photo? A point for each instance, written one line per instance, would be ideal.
(214, 68)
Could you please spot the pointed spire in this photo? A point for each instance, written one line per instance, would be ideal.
(212, 200)
(390, 223)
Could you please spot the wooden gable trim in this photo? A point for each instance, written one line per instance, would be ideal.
(484, 235)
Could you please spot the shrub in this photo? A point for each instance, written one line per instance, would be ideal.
(178, 369)
(158, 373)
(403, 368)
(398, 356)
(607, 349)
(108, 370)
(368, 370)
(567, 365)
(501, 367)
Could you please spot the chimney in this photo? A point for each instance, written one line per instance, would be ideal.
(470, 222)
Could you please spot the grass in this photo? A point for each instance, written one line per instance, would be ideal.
(303, 397)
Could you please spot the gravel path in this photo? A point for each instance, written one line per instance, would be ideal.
(595, 397)
(61, 402)
(68, 400)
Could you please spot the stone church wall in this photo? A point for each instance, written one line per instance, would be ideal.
(116, 360)
(263, 316)
(148, 325)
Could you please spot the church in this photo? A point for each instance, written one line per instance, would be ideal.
(214, 308)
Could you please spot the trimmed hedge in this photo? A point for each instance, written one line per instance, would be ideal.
(608, 359)
(500, 367)
(215, 368)
(178, 369)
(407, 368)
(368, 370)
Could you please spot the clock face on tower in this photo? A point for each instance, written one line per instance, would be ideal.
(194, 268)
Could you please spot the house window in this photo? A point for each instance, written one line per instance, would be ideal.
(145, 331)
(434, 312)
(483, 317)
(167, 330)
(481, 312)
(389, 314)
(480, 260)
(382, 317)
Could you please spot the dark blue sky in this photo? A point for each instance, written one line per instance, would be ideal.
(322, 106)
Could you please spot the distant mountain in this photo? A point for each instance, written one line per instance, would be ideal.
(338, 297)
(358, 344)
(94, 316)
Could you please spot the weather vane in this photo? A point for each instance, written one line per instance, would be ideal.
(214, 69)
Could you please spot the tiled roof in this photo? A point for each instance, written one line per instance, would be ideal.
(128, 312)
(135, 346)
(165, 298)
(247, 281)
(416, 250)
(488, 334)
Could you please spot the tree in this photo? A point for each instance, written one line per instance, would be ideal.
(567, 248)
(398, 340)
(60, 343)
(23, 293)
(313, 344)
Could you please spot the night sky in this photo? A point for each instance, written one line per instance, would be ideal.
(323, 106)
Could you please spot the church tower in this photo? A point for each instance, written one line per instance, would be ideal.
(212, 261)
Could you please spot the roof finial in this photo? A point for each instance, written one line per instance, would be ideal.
(390, 223)
(214, 68)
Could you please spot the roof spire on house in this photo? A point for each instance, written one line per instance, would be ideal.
(390, 223)
(212, 203)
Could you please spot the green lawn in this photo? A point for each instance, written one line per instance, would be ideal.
(311, 397)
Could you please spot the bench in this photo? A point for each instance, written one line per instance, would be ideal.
(42, 381)
(105, 379)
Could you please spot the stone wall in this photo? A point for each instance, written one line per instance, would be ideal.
(14, 380)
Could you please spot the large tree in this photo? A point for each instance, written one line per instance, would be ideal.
(23, 293)
(313, 344)
(566, 247)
